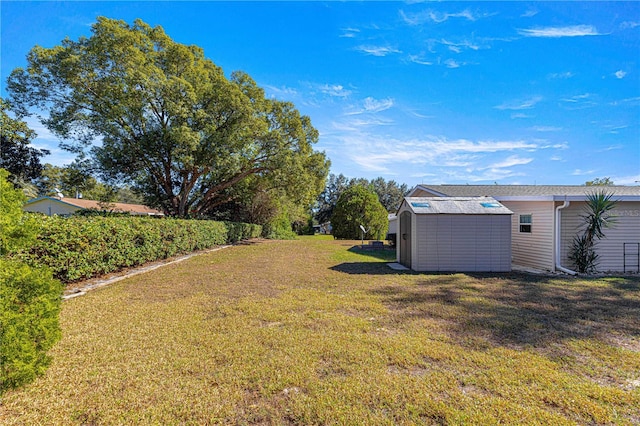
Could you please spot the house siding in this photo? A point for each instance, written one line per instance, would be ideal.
(50, 208)
(535, 249)
(610, 249)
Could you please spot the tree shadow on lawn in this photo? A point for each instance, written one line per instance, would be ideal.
(367, 268)
(386, 253)
(519, 310)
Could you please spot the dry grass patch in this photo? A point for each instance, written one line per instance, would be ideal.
(311, 332)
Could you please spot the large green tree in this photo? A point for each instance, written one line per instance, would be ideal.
(17, 155)
(359, 206)
(171, 123)
(390, 194)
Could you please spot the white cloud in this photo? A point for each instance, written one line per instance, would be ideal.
(451, 63)
(336, 90)
(374, 105)
(545, 128)
(280, 92)
(437, 17)
(560, 75)
(511, 161)
(521, 115)
(529, 13)
(626, 180)
(459, 46)
(417, 59)
(377, 50)
(627, 101)
(582, 101)
(522, 104)
(371, 105)
(629, 25)
(350, 32)
(556, 32)
(580, 172)
(620, 74)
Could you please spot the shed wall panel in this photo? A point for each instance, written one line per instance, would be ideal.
(463, 243)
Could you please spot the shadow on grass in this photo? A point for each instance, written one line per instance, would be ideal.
(520, 309)
(367, 268)
(387, 254)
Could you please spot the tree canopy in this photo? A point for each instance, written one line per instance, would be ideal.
(172, 124)
(17, 156)
(359, 206)
(390, 194)
(599, 182)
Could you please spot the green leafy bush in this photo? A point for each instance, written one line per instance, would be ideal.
(29, 297)
(29, 311)
(81, 247)
(359, 206)
(241, 231)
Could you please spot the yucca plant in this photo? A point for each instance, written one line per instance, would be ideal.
(597, 218)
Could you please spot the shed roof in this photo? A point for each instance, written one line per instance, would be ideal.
(456, 205)
(529, 191)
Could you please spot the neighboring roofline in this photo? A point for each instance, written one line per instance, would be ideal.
(79, 207)
(555, 197)
(424, 188)
(35, 200)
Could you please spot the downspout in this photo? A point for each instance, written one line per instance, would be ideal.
(558, 236)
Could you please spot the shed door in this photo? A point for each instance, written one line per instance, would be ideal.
(405, 239)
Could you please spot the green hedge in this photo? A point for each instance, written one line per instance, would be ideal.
(77, 247)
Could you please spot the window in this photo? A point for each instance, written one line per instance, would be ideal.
(525, 223)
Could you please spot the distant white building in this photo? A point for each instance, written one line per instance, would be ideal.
(67, 206)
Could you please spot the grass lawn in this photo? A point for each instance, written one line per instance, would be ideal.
(314, 332)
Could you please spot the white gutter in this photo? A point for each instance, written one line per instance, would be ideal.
(559, 238)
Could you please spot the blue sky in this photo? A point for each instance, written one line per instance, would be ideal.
(416, 92)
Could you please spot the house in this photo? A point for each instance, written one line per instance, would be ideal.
(547, 217)
(466, 234)
(67, 206)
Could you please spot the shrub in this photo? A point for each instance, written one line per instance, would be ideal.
(595, 219)
(29, 311)
(358, 206)
(29, 297)
(78, 247)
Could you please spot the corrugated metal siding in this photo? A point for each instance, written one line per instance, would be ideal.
(535, 249)
(463, 243)
(611, 248)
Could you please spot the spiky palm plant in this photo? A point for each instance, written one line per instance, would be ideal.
(597, 218)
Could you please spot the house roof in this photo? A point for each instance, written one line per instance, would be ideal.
(455, 205)
(81, 203)
(530, 192)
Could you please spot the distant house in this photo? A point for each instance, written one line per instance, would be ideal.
(67, 206)
(547, 217)
(466, 234)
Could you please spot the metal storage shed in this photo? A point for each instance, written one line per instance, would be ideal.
(465, 234)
